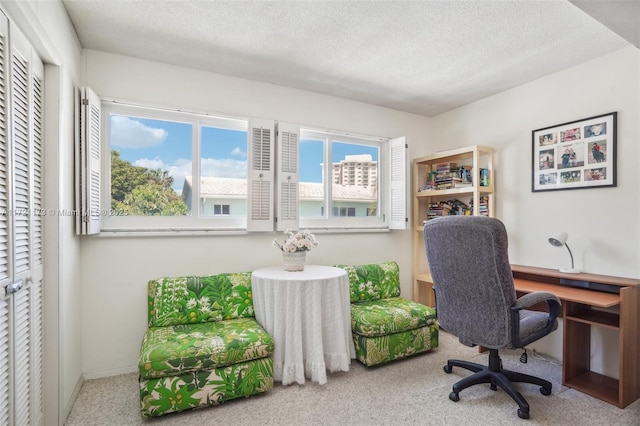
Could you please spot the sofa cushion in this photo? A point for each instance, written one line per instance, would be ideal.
(379, 350)
(177, 349)
(392, 315)
(190, 300)
(373, 281)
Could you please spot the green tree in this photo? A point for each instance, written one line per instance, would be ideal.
(139, 191)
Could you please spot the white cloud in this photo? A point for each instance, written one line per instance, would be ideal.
(225, 167)
(128, 133)
(154, 164)
(239, 153)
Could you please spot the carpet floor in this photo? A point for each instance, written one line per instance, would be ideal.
(414, 391)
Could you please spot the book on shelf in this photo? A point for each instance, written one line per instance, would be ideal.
(484, 177)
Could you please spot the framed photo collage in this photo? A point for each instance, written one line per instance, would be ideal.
(574, 155)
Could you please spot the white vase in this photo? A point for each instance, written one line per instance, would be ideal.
(294, 262)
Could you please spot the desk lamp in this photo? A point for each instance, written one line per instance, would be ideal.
(559, 241)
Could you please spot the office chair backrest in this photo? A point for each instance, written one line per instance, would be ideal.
(472, 278)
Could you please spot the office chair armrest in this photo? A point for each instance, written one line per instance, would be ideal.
(553, 304)
(530, 299)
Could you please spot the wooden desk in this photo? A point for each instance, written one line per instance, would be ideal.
(585, 308)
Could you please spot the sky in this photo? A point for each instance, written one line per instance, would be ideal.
(166, 145)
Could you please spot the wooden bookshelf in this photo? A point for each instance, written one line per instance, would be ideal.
(478, 195)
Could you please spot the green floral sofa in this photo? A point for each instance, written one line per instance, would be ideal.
(203, 345)
(385, 326)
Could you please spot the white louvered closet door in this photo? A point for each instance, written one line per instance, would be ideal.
(21, 266)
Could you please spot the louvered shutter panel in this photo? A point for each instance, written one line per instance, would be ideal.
(5, 394)
(21, 155)
(36, 305)
(287, 168)
(5, 243)
(4, 159)
(260, 179)
(21, 138)
(90, 171)
(22, 356)
(398, 183)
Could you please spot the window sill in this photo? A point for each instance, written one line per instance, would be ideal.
(155, 233)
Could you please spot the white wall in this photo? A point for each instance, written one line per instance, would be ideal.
(115, 270)
(49, 30)
(602, 223)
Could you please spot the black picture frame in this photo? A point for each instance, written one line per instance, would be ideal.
(575, 155)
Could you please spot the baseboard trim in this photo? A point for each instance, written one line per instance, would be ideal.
(72, 400)
(109, 373)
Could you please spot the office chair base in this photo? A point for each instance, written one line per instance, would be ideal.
(496, 376)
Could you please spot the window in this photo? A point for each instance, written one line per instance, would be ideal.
(344, 211)
(354, 165)
(219, 209)
(174, 170)
(168, 170)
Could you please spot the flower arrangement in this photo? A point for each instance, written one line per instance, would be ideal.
(297, 241)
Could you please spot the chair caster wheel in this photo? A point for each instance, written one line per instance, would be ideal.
(447, 369)
(545, 391)
(494, 387)
(454, 396)
(523, 414)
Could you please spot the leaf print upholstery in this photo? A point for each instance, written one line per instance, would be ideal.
(203, 345)
(190, 300)
(373, 281)
(387, 327)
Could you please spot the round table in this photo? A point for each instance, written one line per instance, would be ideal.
(307, 313)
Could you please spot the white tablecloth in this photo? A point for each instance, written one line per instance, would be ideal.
(308, 315)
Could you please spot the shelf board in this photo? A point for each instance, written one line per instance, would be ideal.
(597, 318)
(596, 385)
(454, 191)
(454, 155)
(424, 277)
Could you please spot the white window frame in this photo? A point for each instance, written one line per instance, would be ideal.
(194, 221)
(270, 193)
(382, 220)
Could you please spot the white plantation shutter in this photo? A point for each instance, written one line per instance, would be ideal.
(260, 176)
(88, 166)
(288, 145)
(398, 180)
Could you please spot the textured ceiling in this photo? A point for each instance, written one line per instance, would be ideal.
(424, 57)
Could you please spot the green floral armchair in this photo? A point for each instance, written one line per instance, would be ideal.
(385, 326)
(203, 345)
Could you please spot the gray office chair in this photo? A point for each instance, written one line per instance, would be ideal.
(476, 300)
